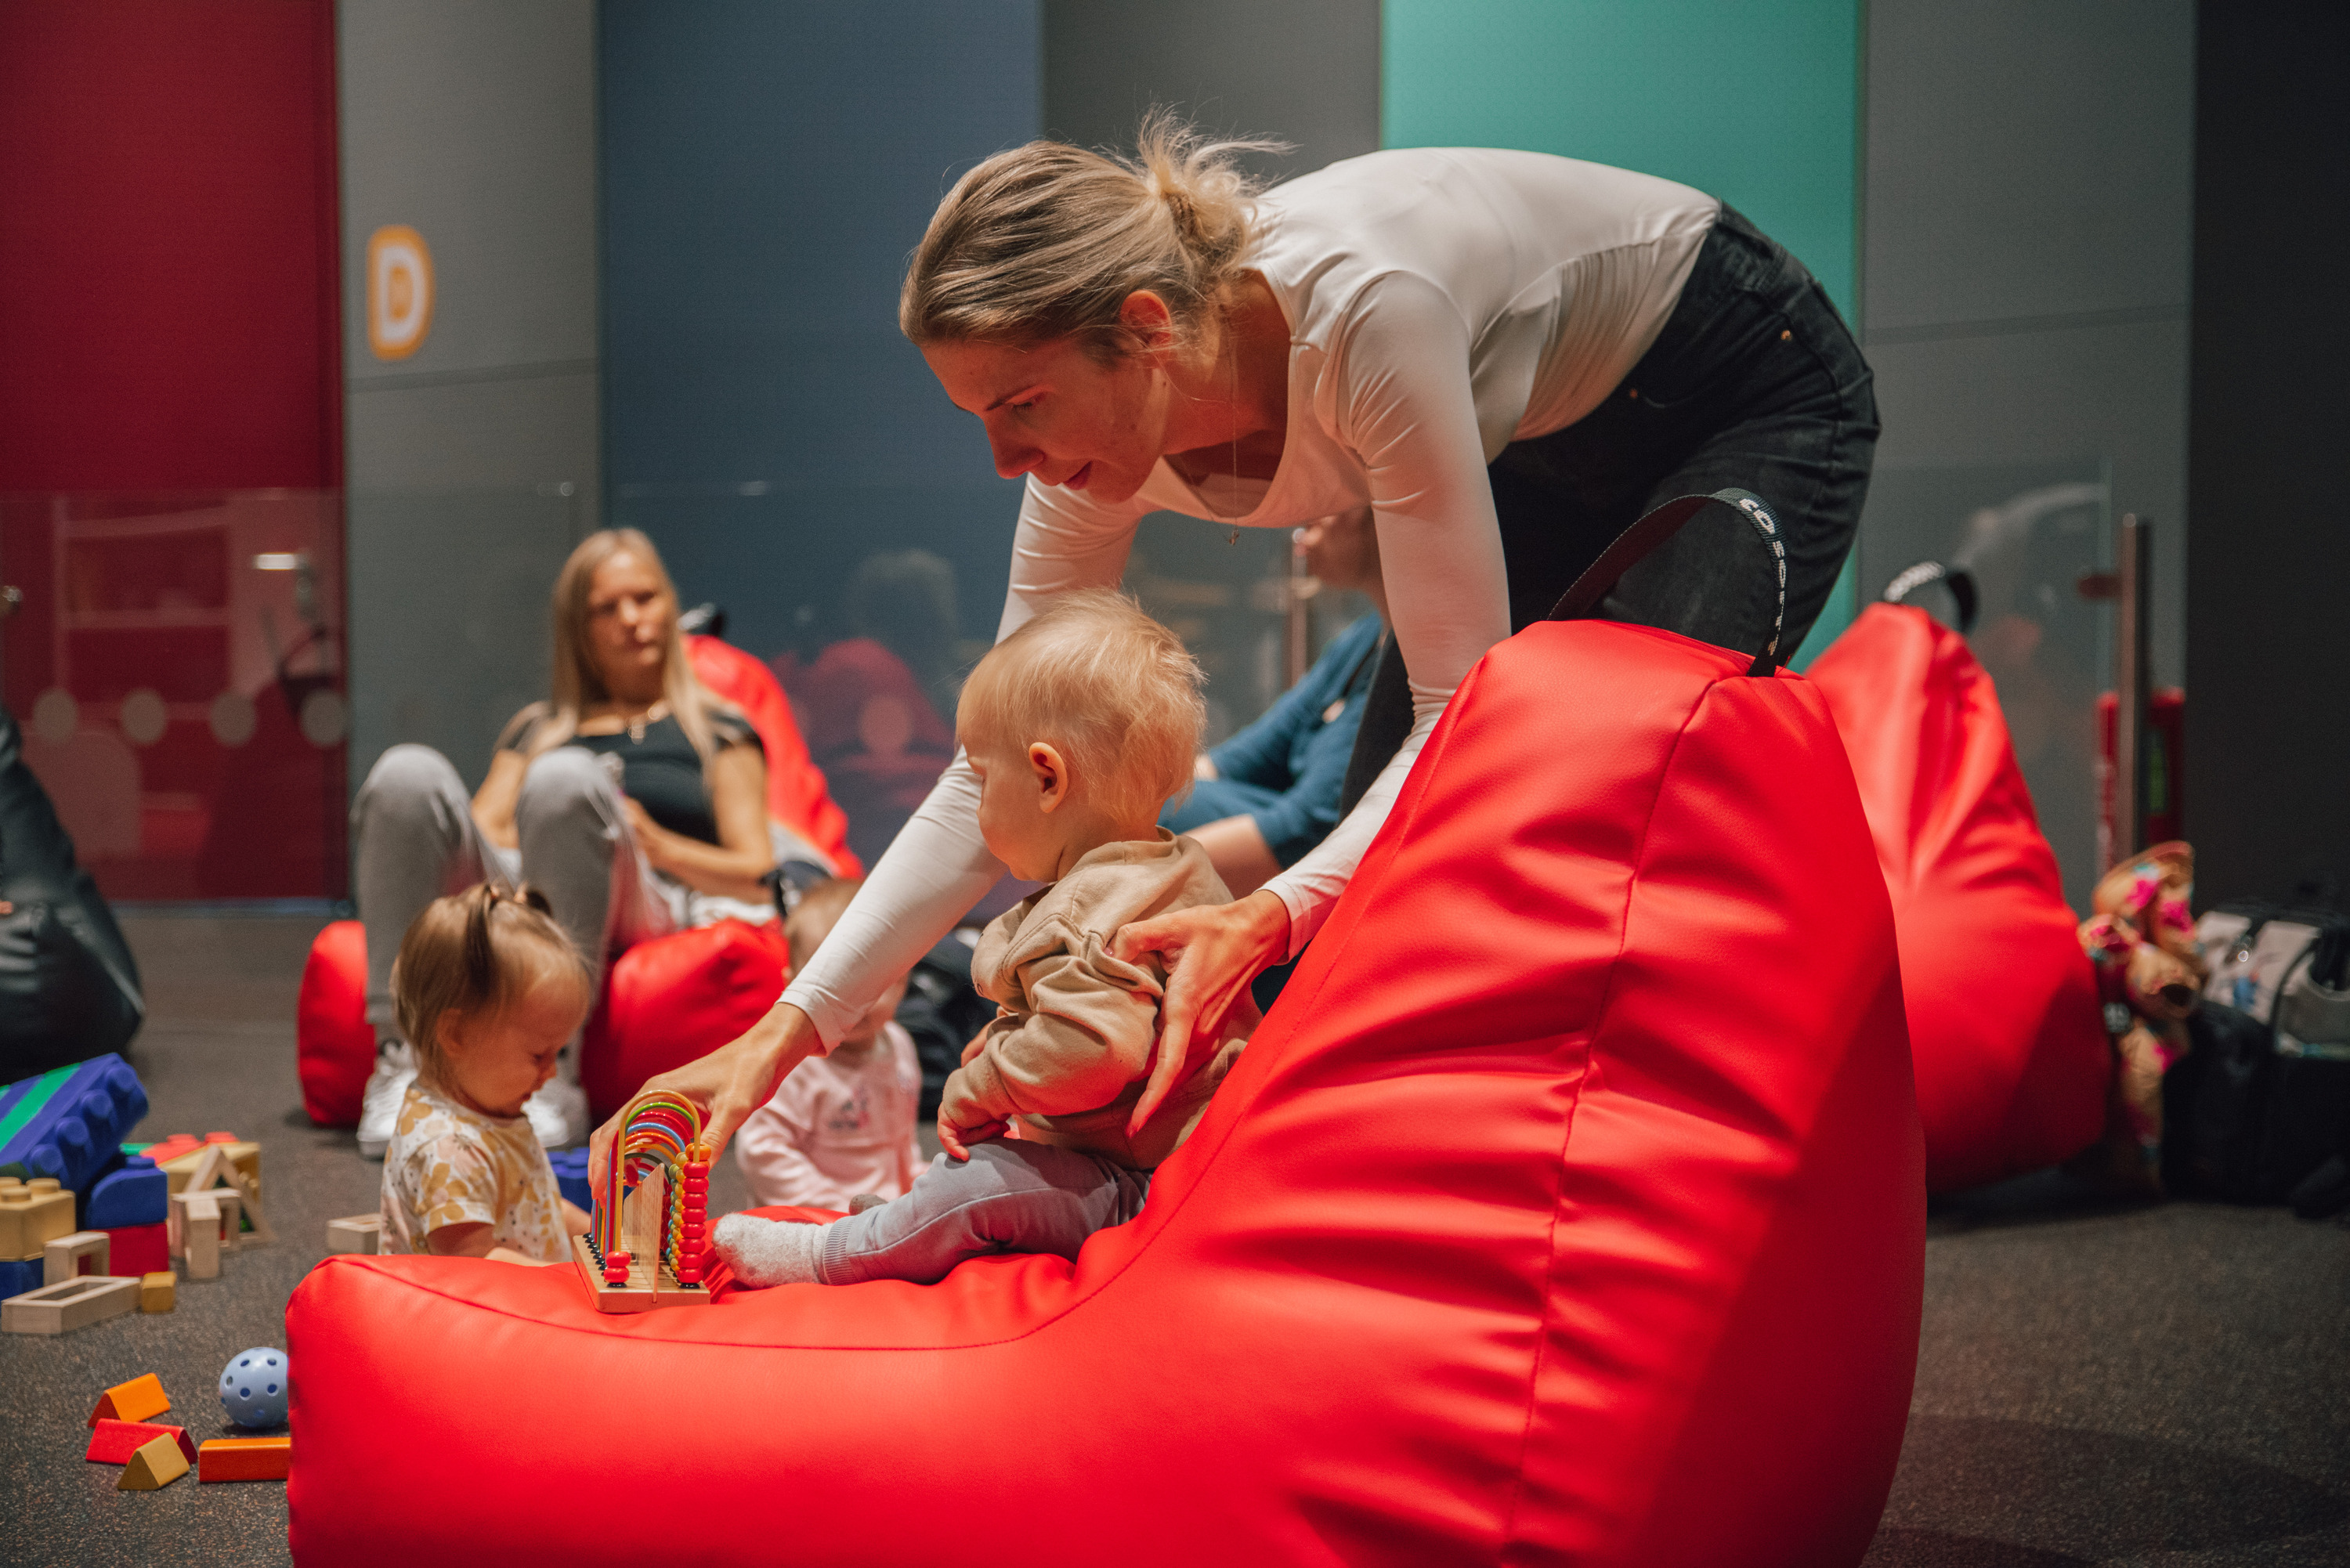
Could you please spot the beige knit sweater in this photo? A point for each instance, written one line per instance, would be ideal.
(1069, 1051)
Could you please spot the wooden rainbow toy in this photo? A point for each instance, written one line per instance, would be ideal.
(648, 1243)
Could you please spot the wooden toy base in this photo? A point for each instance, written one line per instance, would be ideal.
(663, 1292)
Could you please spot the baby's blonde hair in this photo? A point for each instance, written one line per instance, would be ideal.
(1047, 239)
(1114, 689)
(475, 953)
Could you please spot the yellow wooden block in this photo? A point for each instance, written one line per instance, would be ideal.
(158, 1462)
(32, 1215)
(159, 1291)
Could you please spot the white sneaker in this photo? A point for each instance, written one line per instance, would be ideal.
(395, 1069)
(558, 1112)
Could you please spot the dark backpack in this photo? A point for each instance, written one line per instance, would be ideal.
(68, 987)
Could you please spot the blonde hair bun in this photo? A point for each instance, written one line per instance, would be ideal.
(1047, 239)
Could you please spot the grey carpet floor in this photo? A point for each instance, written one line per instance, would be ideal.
(2156, 1387)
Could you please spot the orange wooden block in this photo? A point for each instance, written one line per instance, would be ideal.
(132, 1401)
(245, 1458)
(157, 1462)
(115, 1441)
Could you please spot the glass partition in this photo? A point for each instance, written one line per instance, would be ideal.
(176, 662)
(2029, 533)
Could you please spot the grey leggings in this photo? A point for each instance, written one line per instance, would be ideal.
(1011, 1196)
(413, 838)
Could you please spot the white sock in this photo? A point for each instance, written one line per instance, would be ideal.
(768, 1252)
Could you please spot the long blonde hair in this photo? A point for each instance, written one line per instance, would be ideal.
(575, 681)
(1046, 241)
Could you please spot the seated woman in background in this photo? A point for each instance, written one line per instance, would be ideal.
(1271, 793)
(632, 798)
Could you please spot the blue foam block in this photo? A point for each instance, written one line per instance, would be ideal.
(571, 1176)
(135, 1193)
(16, 1278)
(69, 1124)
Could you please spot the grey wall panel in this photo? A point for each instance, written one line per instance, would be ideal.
(475, 126)
(1305, 71)
(2027, 158)
(2024, 292)
(474, 463)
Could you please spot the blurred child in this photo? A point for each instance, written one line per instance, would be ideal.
(1080, 725)
(488, 990)
(841, 1127)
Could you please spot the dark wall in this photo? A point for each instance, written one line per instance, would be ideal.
(2268, 753)
(1302, 72)
(767, 167)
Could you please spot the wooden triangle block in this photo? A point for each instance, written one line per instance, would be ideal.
(132, 1401)
(158, 1462)
(115, 1441)
(216, 1168)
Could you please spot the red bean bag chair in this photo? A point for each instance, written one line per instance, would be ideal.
(2011, 1051)
(1568, 1206)
(665, 1002)
(671, 1000)
(796, 797)
(333, 1044)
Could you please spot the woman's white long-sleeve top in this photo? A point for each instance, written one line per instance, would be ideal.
(1443, 302)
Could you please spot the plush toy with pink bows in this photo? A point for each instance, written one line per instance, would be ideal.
(2141, 937)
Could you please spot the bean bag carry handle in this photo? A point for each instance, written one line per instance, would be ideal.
(1630, 547)
(1958, 579)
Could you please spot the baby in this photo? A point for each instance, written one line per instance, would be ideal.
(840, 1131)
(1080, 725)
(488, 990)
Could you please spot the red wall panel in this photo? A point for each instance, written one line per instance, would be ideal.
(168, 245)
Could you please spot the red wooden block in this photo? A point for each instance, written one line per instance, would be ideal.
(245, 1458)
(140, 1249)
(114, 1441)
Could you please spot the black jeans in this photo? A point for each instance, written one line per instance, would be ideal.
(1754, 383)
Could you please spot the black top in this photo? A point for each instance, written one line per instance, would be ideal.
(661, 772)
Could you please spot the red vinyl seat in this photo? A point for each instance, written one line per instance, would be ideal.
(2009, 1048)
(1569, 1205)
(665, 1001)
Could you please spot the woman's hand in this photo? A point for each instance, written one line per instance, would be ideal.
(728, 1084)
(1211, 953)
(651, 837)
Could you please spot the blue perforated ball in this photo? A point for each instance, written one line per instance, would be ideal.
(253, 1387)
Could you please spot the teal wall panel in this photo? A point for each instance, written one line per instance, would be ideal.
(1756, 104)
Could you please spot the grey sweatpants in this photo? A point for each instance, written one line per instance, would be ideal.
(1010, 1196)
(413, 838)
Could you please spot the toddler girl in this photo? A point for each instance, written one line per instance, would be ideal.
(488, 990)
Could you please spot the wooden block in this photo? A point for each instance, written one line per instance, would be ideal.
(32, 1215)
(71, 1305)
(206, 1224)
(83, 1252)
(132, 1401)
(641, 1293)
(358, 1233)
(180, 1160)
(154, 1464)
(245, 1458)
(159, 1291)
(114, 1442)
